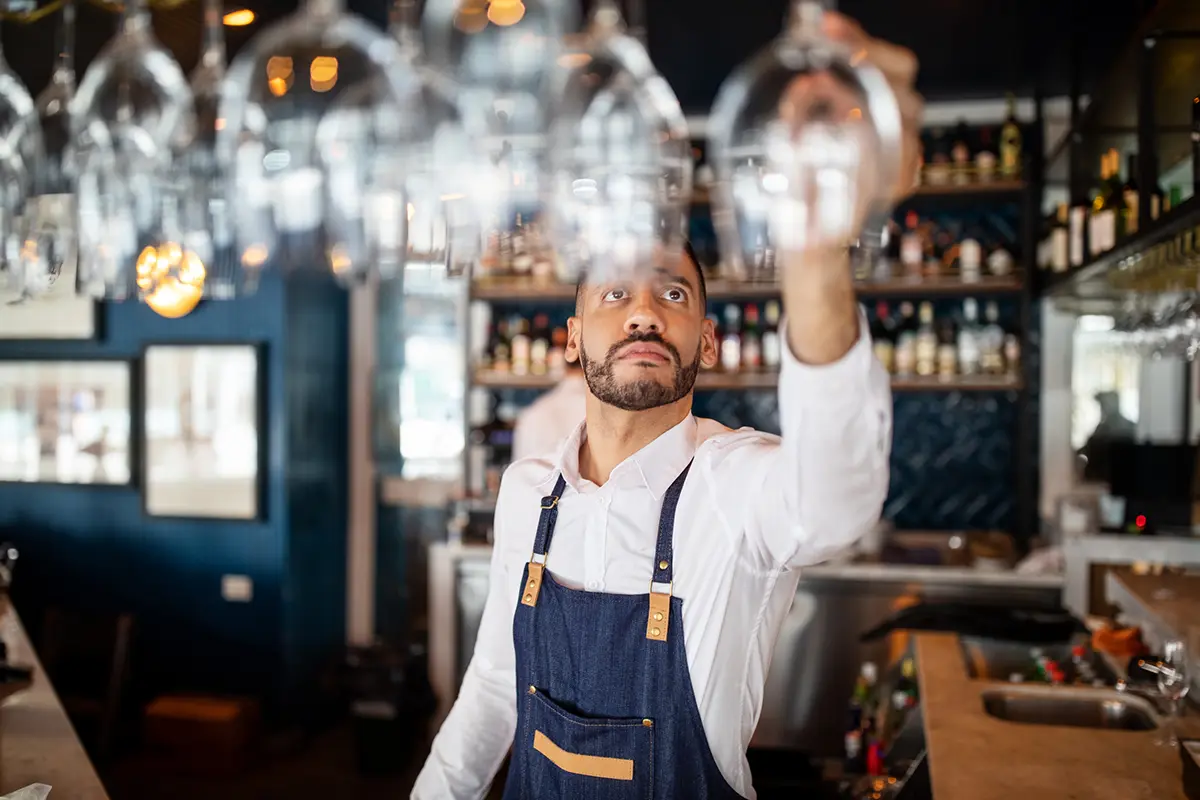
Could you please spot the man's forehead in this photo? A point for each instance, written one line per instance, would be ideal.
(681, 272)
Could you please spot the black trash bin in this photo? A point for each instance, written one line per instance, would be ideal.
(391, 702)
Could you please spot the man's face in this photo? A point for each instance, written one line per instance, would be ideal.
(642, 341)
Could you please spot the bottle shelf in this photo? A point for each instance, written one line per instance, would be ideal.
(998, 186)
(498, 290)
(1091, 281)
(751, 381)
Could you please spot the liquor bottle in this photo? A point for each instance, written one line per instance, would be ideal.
(912, 246)
(991, 341)
(484, 364)
(889, 257)
(1102, 227)
(1114, 202)
(1010, 142)
(927, 341)
(556, 357)
(502, 349)
(751, 341)
(1000, 261)
(539, 344)
(1129, 195)
(937, 166)
(947, 349)
(905, 357)
(941, 244)
(1060, 241)
(731, 341)
(969, 355)
(985, 159)
(522, 258)
(772, 345)
(960, 154)
(1012, 355)
(1077, 220)
(520, 348)
(970, 257)
(500, 442)
(881, 338)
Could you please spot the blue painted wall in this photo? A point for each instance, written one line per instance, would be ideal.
(94, 547)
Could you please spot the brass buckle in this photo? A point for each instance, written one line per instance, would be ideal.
(553, 503)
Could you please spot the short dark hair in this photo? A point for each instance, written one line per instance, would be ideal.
(691, 253)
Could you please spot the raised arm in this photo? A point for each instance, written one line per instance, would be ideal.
(826, 486)
(478, 731)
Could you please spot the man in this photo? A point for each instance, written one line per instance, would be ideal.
(543, 426)
(639, 578)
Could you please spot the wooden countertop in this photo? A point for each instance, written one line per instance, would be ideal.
(37, 742)
(1168, 604)
(973, 756)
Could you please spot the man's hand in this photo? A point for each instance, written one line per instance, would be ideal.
(818, 288)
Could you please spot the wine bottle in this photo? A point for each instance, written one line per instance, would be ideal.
(1010, 142)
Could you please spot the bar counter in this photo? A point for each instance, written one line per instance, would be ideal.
(973, 755)
(37, 742)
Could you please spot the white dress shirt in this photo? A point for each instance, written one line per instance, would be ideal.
(546, 423)
(754, 507)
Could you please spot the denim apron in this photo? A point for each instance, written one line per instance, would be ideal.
(605, 706)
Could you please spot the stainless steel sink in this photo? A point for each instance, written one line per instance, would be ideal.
(1076, 708)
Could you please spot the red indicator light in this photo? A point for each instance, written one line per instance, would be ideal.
(1140, 520)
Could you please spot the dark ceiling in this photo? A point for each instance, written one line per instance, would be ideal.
(967, 48)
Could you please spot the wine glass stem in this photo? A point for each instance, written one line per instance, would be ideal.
(64, 64)
(324, 8)
(136, 16)
(214, 34)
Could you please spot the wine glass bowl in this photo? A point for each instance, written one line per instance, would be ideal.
(272, 103)
(1174, 681)
(806, 144)
(131, 103)
(620, 157)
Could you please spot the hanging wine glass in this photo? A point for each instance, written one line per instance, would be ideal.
(620, 158)
(20, 160)
(131, 104)
(805, 140)
(416, 210)
(196, 220)
(502, 54)
(277, 91)
(48, 253)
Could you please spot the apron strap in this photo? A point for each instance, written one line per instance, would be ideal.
(664, 568)
(541, 543)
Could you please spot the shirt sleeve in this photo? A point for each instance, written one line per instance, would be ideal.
(478, 731)
(829, 479)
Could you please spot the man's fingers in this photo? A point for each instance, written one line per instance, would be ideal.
(898, 63)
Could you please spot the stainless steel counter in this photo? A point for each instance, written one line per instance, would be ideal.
(817, 655)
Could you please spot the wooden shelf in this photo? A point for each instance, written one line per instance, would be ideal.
(752, 381)
(979, 188)
(527, 290)
(1091, 281)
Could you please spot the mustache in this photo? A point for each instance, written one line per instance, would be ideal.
(639, 337)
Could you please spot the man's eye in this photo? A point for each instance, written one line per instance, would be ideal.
(614, 294)
(675, 294)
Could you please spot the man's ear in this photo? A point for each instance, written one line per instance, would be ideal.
(709, 351)
(574, 332)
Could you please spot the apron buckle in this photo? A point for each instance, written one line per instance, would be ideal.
(659, 616)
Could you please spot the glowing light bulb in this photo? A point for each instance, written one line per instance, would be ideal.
(504, 13)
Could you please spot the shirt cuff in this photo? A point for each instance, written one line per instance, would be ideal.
(818, 385)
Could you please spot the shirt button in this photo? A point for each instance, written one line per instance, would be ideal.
(593, 585)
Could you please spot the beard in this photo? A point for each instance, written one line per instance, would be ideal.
(642, 393)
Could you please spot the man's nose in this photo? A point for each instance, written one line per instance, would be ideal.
(643, 315)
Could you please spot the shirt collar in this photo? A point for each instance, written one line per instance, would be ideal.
(656, 465)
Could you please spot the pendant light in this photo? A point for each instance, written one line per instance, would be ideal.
(805, 140)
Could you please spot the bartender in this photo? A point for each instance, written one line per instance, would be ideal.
(640, 576)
